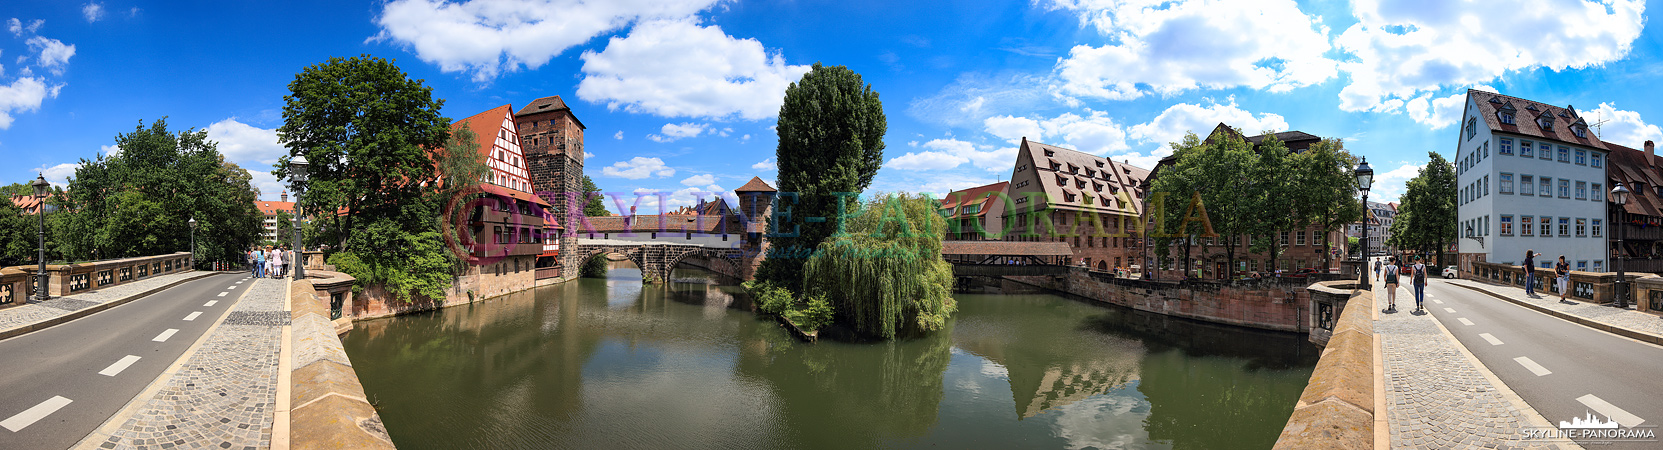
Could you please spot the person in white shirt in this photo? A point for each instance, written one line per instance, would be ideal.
(277, 255)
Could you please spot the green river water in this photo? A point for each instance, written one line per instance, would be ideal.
(608, 363)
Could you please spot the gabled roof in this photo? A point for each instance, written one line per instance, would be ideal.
(756, 185)
(271, 208)
(1626, 165)
(485, 126)
(548, 104)
(1525, 123)
(979, 195)
(28, 203)
(1082, 175)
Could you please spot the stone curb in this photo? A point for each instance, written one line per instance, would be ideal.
(1613, 329)
(60, 320)
(1337, 408)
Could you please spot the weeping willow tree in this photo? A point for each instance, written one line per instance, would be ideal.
(883, 272)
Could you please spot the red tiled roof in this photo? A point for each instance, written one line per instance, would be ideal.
(28, 203)
(979, 195)
(272, 208)
(671, 224)
(485, 126)
(1525, 114)
(756, 185)
(1006, 248)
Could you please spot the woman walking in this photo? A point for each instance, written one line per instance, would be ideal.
(1530, 273)
(277, 261)
(1391, 283)
(1418, 278)
(259, 262)
(1562, 271)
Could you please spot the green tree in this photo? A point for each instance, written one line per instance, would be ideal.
(1426, 216)
(1328, 189)
(1277, 195)
(593, 206)
(831, 128)
(140, 201)
(884, 277)
(17, 230)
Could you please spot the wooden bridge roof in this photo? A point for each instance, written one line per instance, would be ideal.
(1006, 248)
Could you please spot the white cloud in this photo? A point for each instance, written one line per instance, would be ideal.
(109, 150)
(1178, 119)
(1390, 185)
(696, 180)
(1167, 47)
(489, 37)
(672, 131)
(1623, 128)
(767, 165)
(54, 55)
(587, 155)
(17, 27)
(619, 136)
(952, 105)
(58, 175)
(245, 144)
(270, 189)
(93, 11)
(676, 68)
(23, 95)
(1095, 133)
(926, 161)
(637, 168)
(1439, 112)
(1404, 49)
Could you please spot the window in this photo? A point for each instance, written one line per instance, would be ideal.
(1299, 238)
(1546, 226)
(1506, 225)
(1472, 127)
(1486, 186)
(1579, 131)
(1525, 149)
(1564, 188)
(1595, 230)
(971, 209)
(1597, 161)
(1506, 183)
(1581, 156)
(1564, 227)
(1505, 147)
(1527, 226)
(1581, 227)
(1564, 154)
(1485, 151)
(1582, 266)
(1506, 118)
(1599, 193)
(1546, 184)
(1527, 185)
(1049, 153)
(498, 232)
(1581, 190)
(1598, 265)
(1284, 238)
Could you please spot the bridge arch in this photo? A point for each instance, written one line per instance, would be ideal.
(634, 257)
(721, 255)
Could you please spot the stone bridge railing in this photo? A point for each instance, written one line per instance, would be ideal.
(655, 259)
(329, 408)
(65, 279)
(1337, 409)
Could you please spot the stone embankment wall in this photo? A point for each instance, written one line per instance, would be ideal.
(477, 284)
(1338, 406)
(1271, 303)
(329, 407)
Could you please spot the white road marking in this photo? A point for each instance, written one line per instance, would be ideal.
(210, 303)
(1532, 366)
(29, 416)
(232, 287)
(165, 334)
(1464, 321)
(1488, 337)
(1437, 301)
(193, 316)
(119, 366)
(1449, 310)
(1609, 410)
(222, 294)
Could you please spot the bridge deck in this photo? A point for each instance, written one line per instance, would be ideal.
(734, 245)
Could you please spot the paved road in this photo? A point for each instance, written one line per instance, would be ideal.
(1561, 369)
(59, 384)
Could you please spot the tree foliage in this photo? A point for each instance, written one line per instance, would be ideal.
(139, 202)
(17, 230)
(831, 128)
(592, 204)
(885, 277)
(1426, 215)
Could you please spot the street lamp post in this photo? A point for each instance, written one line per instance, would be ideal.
(1619, 196)
(193, 242)
(41, 278)
(297, 182)
(1365, 179)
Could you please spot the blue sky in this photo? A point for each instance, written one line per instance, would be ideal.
(680, 95)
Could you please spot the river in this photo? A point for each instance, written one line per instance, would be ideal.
(609, 363)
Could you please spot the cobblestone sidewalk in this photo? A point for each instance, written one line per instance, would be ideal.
(224, 396)
(37, 312)
(1633, 320)
(1435, 397)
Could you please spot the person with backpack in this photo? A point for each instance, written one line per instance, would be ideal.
(1377, 269)
(1391, 284)
(1530, 273)
(1562, 273)
(1418, 279)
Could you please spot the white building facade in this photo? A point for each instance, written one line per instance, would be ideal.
(1530, 176)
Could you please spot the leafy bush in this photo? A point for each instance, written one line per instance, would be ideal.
(885, 276)
(812, 315)
(769, 298)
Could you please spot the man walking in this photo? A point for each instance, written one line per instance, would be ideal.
(1377, 270)
(1391, 284)
(1418, 275)
(1530, 273)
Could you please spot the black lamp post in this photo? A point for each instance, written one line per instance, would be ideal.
(1619, 196)
(41, 277)
(297, 183)
(193, 242)
(1365, 179)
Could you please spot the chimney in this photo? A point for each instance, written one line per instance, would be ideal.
(286, 193)
(1651, 154)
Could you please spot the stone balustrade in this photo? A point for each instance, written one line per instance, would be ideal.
(66, 279)
(1594, 287)
(1337, 408)
(1648, 294)
(330, 410)
(335, 289)
(15, 287)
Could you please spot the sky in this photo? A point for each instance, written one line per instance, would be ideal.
(680, 96)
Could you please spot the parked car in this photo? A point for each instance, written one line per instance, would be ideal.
(1451, 272)
(1406, 269)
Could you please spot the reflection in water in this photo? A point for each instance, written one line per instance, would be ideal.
(608, 363)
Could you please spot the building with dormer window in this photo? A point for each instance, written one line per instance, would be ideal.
(1535, 184)
(1090, 202)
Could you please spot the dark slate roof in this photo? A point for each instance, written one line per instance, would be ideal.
(756, 185)
(1083, 174)
(1525, 114)
(1627, 165)
(544, 104)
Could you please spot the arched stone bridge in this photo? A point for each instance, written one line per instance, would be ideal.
(656, 259)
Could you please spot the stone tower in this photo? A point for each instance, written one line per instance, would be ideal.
(552, 139)
(756, 204)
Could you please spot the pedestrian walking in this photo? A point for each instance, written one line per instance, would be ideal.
(259, 263)
(1418, 278)
(1391, 283)
(253, 267)
(277, 261)
(1377, 270)
(1530, 273)
(1562, 273)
